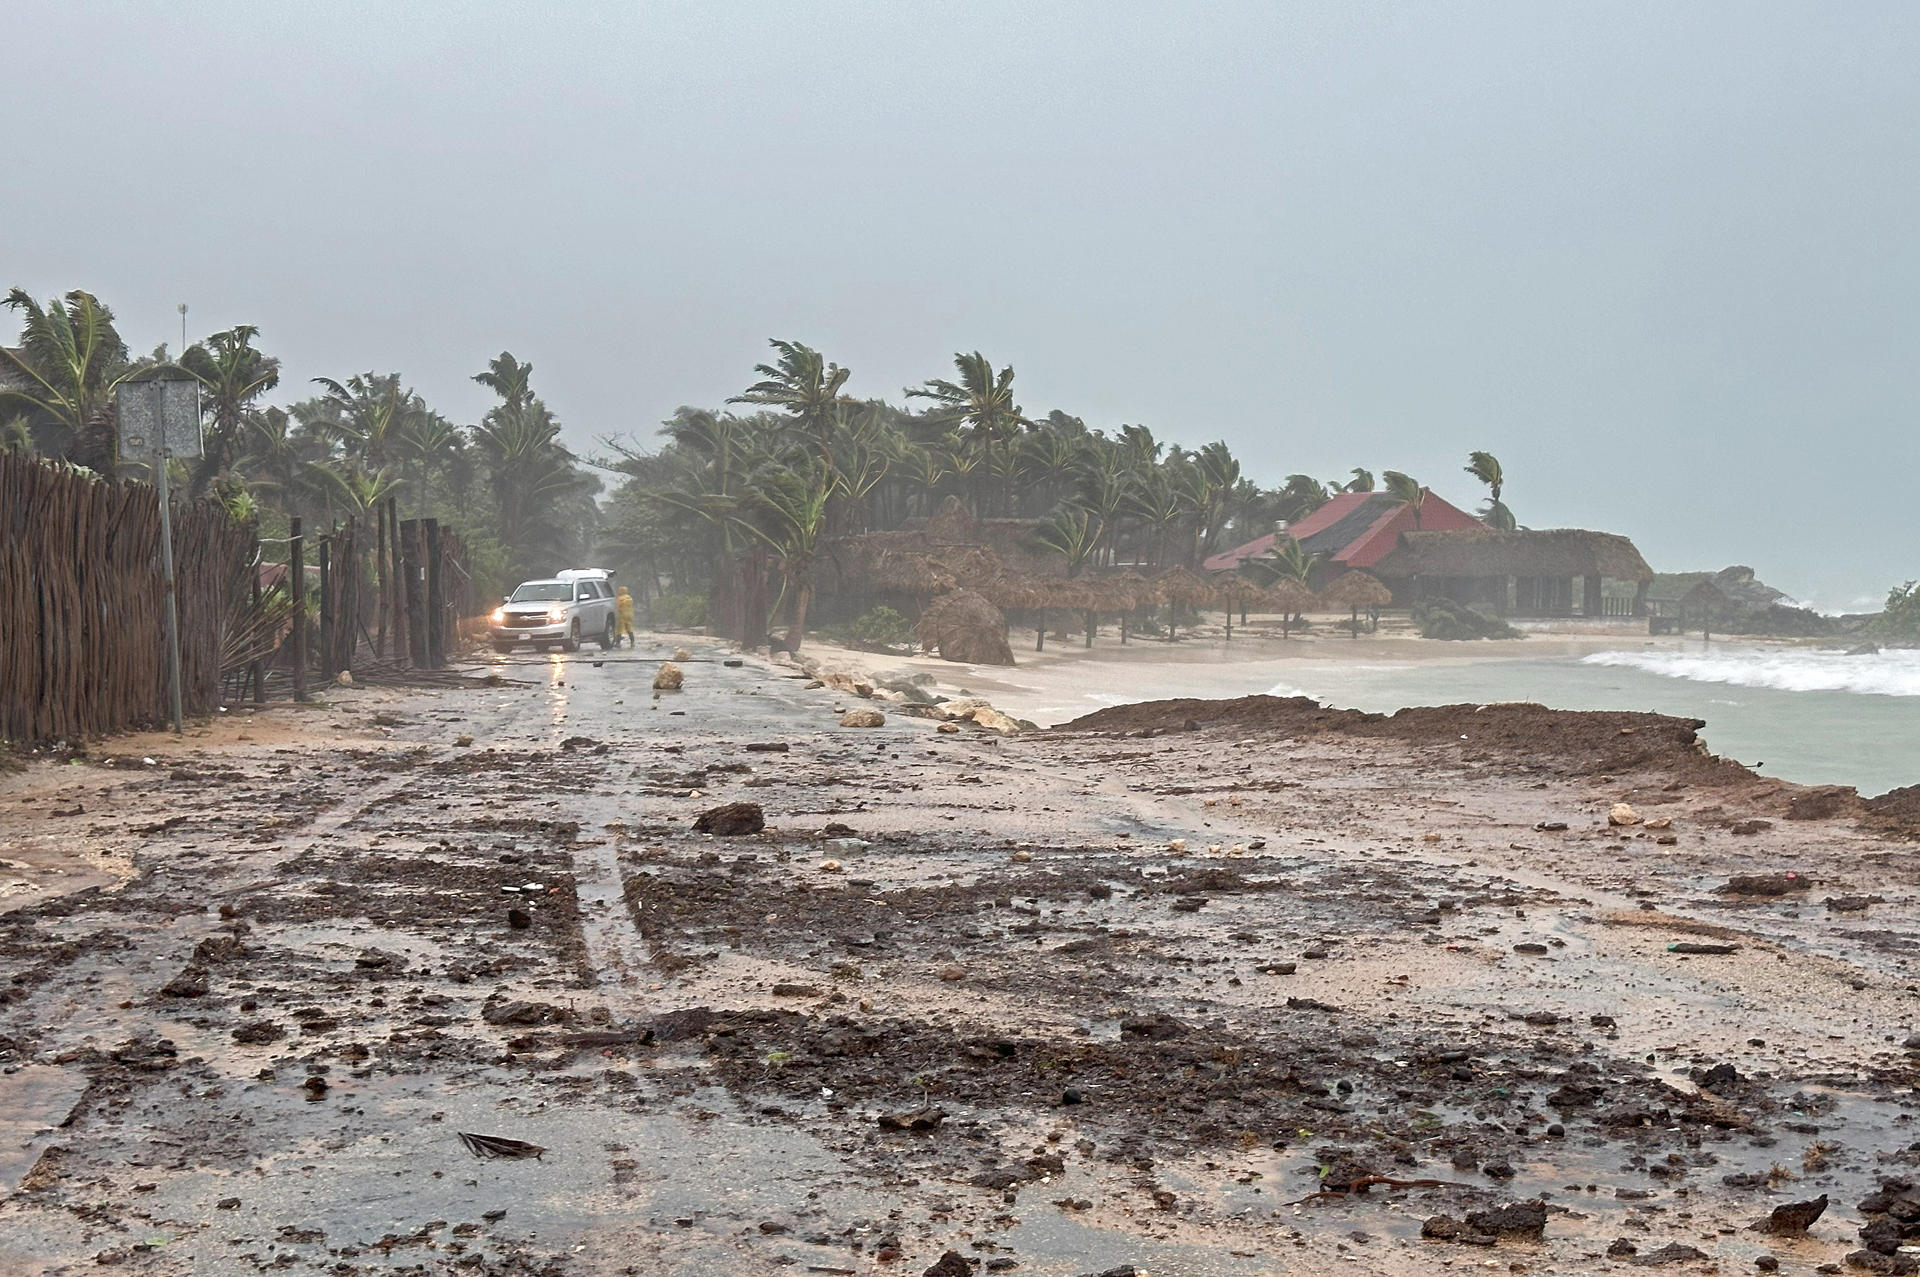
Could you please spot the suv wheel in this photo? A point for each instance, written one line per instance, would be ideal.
(572, 642)
(607, 639)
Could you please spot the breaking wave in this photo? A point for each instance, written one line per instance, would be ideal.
(1796, 670)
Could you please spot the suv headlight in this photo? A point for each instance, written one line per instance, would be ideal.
(556, 614)
(499, 615)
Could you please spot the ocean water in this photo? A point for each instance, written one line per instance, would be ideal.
(1816, 717)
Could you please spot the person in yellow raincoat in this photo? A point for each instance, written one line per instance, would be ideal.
(623, 622)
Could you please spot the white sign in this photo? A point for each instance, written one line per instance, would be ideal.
(153, 413)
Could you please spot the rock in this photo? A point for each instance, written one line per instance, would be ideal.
(953, 975)
(1155, 1028)
(1658, 822)
(682, 654)
(1622, 814)
(1766, 1264)
(1551, 826)
(1530, 947)
(922, 1119)
(1671, 1253)
(1872, 1261)
(315, 1087)
(731, 820)
(1496, 1170)
(669, 678)
(1724, 1076)
(951, 1264)
(190, 983)
(785, 990)
(1519, 1219)
(1793, 1218)
(1749, 827)
(1620, 1248)
(864, 718)
(1699, 947)
(519, 919)
(994, 721)
(998, 1179)
(517, 1012)
(227, 1203)
(948, 729)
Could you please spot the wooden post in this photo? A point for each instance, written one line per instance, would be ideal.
(415, 602)
(257, 671)
(297, 590)
(1040, 632)
(396, 581)
(326, 609)
(380, 583)
(436, 603)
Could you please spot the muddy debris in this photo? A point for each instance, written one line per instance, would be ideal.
(190, 983)
(1702, 948)
(1671, 1253)
(731, 820)
(1779, 884)
(921, 1119)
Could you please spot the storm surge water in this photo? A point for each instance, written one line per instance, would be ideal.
(1789, 670)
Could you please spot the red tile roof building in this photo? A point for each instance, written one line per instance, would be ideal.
(1354, 530)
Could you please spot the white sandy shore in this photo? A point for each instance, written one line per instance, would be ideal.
(1069, 679)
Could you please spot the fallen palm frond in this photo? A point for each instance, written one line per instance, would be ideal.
(498, 1146)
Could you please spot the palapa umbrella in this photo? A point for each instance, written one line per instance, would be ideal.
(1179, 586)
(1130, 592)
(1288, 596)
(1355, 590)
(963, 626)
(1236, 591)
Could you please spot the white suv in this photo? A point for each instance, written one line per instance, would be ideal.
(564, 609)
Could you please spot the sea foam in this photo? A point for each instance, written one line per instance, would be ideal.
(1894, 673)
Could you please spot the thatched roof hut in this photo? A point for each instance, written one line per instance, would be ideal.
(1560, 553)
(908, 571)
(1178, 585)
(963, 626)
(1141, 592)
(1355, 589)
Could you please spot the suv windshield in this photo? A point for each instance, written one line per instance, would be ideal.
(543, 592)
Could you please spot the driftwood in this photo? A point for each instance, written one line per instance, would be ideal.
(498, 1146)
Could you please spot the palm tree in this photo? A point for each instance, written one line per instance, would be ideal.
(1300, 496)
(982, 401)
(369, 413)
(788, 511)
(232, 375)
(1406, 493)
(1485, 467)
(64, 372)
(806, 387)
(1362, 481)
(1075, 532)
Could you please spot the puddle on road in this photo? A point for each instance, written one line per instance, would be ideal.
(34, 1101)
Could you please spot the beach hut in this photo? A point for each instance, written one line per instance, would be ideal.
(963, 626)
(1288, 597)
(1355, 590)
(1182, 588)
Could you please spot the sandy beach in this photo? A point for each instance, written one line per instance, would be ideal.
(1068, 679)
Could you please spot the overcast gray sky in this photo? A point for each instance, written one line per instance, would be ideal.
(1661, 259)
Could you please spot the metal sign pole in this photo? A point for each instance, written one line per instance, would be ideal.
(159, 420)
(166, 574)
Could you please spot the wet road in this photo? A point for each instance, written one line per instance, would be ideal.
(260, 1052)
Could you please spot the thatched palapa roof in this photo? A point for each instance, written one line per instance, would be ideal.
(1288, 595)
(963, 626)
(1178, 585)
(1563, 552)
(1356, 589)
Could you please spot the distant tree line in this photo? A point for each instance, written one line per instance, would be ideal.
(521, 501)
(742, 500)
